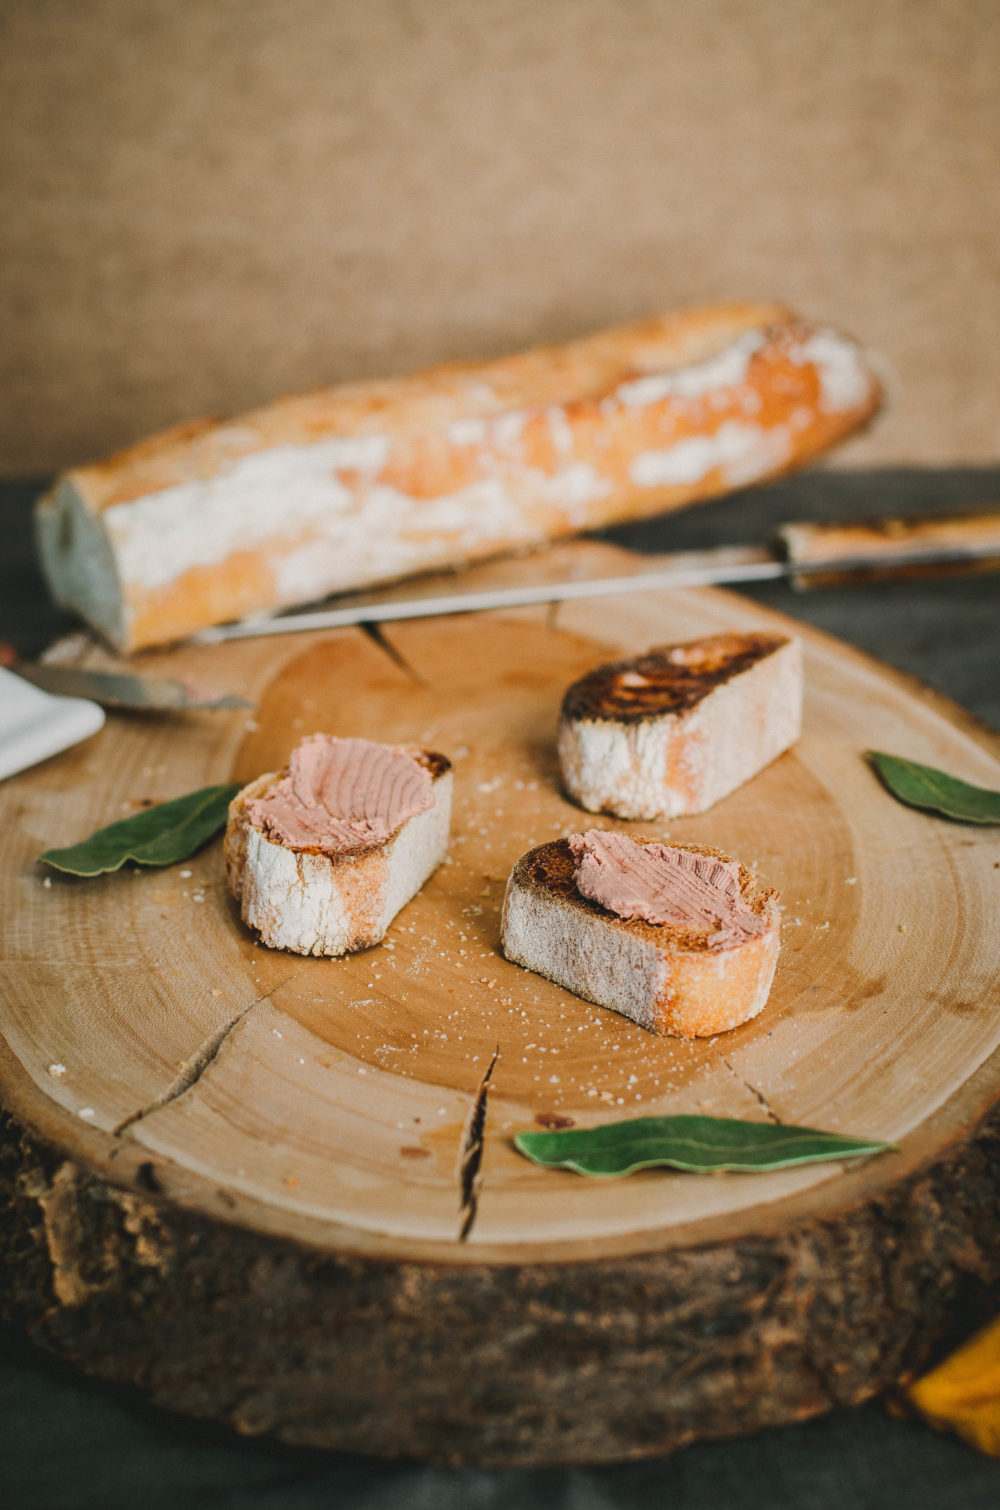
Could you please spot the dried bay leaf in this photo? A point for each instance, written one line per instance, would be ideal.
(159, 835)
(701, 1145)
(925, 787)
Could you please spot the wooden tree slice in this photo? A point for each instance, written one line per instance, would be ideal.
(283, 1191)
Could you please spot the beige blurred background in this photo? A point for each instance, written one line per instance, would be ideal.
(208, 202)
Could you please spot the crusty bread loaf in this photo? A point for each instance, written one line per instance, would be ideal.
(676, 729)
(369, 482)
(311, 902)
(667, 979)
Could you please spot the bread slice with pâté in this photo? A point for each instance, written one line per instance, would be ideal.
(322, 856)
(705, 967)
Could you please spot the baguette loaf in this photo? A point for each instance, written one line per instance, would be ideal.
(677, 729)
(339, 894)
(366, 483)
(689, 979)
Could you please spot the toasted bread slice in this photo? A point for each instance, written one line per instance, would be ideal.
(314, 902)
(667, 978)
(678, 728)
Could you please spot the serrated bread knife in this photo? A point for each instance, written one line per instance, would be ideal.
(809, 554)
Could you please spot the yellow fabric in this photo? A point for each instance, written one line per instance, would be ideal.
(963, 1393)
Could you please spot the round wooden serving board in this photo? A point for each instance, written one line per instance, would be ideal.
(282, 1191)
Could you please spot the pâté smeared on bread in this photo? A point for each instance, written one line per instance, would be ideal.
(678, 728)
(676, 937)
(322, 856)
(370, 482)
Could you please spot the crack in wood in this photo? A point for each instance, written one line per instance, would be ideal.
(195, 1067)
(758, 1096)
(471, 1157)
(377, 637)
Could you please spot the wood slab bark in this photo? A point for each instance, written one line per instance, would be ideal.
(282, 1191)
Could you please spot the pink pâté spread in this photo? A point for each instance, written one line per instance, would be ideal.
(341, 795)
(659, 883)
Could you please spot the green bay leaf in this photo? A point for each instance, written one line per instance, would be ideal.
(925, 787)
(702, 1145)
(159, 835)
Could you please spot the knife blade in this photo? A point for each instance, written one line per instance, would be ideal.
(807, 553)
(118, 689)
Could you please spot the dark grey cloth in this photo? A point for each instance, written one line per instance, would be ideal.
(67, 1443)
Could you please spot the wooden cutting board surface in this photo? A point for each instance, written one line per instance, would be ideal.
(336, 1103)
(340, 1091)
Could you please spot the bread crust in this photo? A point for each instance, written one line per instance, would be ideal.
(363, 483)
(676, 729)
(309, 902)
(666, 979)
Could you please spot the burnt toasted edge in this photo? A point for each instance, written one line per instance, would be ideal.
(673, 688)
(548, 871)
(436, 764)
(432, 760)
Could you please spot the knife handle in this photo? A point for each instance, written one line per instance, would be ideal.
(880, 549)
